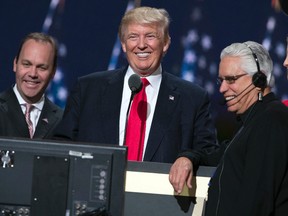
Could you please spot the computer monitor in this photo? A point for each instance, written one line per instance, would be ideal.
(57, 178)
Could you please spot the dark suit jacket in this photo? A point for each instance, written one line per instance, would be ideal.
(181, 120)
(12, 119)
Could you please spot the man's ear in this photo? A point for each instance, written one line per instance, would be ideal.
(14, 64)
(167, 44)
(123, 47)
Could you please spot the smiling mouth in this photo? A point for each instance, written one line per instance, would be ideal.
(229, 98)
(143, 54)
(31, 82)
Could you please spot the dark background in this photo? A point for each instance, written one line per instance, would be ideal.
(87, 33)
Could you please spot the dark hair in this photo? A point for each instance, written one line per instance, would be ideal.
(41, 37)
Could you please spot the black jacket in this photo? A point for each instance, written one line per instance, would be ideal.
(252, 178)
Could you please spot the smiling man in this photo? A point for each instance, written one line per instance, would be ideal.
(252, 177)
(34, 66)
(169, 119)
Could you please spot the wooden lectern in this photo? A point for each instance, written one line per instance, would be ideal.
(148, 191)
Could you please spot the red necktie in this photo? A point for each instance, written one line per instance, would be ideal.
(135, 132)
(29, 107)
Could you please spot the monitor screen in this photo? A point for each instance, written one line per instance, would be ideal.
(39, 177)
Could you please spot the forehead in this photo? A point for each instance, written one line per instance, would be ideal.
(39, 49)
(229, 65)
(33, 45)
(142, 28)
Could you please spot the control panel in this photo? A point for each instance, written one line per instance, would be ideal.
(6, 210)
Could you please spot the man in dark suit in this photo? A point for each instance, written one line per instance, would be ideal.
(178, 123)
(34, 66)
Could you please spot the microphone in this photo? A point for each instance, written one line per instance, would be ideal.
(135, 85)
(223, 101)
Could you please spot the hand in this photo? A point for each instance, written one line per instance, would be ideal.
(181, 172)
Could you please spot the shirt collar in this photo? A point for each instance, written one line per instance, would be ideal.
(255, 107)
(154, 79)
(39, 105)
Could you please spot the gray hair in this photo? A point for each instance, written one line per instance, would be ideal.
(145, 15)
(246, 51)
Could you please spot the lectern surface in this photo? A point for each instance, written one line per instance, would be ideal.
(149, 192)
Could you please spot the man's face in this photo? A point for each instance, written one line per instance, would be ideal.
(34, 69)
(144, 46)
(236, 86)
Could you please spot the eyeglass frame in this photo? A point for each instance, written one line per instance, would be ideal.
(229, 79)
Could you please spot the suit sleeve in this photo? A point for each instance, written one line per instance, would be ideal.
(67, 129)
(203, 141)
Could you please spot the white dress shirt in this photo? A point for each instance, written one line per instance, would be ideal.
(152, 91)
(35, 112)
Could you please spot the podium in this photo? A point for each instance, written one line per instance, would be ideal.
(149, 192)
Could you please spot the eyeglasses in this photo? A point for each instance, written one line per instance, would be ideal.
(229, 79)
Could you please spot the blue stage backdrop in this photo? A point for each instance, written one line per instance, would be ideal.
(200, 29)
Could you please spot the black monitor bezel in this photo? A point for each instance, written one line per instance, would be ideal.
(64, 148)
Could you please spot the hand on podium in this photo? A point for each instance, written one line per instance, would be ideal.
(181, 172)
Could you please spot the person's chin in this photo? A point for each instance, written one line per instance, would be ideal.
(231, 108)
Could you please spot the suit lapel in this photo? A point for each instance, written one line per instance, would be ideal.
(47, 119)
(167, 100)
(14, 114)
(112, 97)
